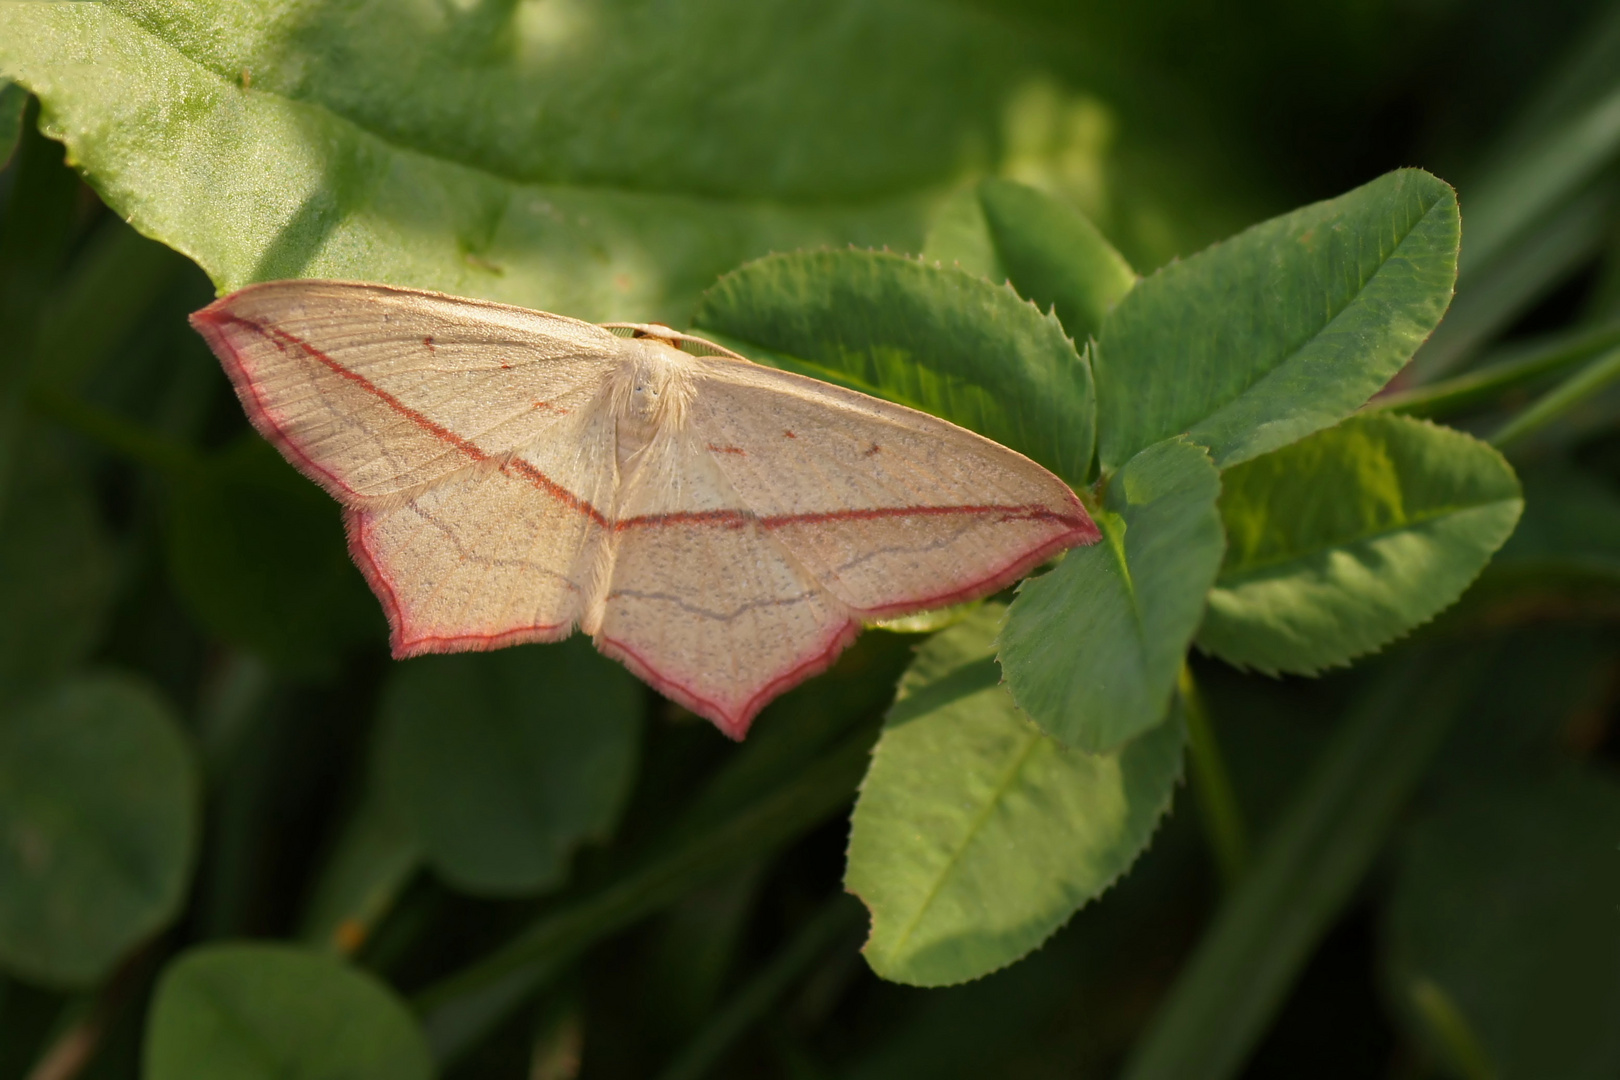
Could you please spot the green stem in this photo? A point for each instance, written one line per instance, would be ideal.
(1542, 174)
(1560, 399)
(375, 858)
(1305, 874)
(1212, 784)
(699, 1057)
(1486, 385)
(89, 1018)
(1451, 1030)
(461, 1008)
(1490, 298)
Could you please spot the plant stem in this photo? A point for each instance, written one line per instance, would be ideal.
(1489, 300)
(1485, 385)
(76, 1046)
(459, 1009)
(1451, 1029)
(1539, 176)
(699, 1057)
(1560, 399)
(1212, 784)
(73, 1049)
(1307, 871)
(374, 859)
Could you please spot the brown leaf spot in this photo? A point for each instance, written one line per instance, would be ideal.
(349, 936)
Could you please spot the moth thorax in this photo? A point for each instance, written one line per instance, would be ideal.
(650, 395)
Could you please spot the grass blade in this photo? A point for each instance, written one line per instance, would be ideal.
(1263, 935)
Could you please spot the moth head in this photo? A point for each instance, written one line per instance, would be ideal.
(653, 386)
(664, 335)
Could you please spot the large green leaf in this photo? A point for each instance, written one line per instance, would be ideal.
(1091, 650)
(260, 557)
(1282, 330)
(273, 1012)
(975, 836)
(1054, 256)
(615, 93)
(504, 762)
(56, 572)
(98, 823)
(578, 158)
(1504, 906)
(937, 339)
(1347, 539)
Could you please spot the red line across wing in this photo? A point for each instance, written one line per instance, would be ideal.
(820, 657)
(281, 339)
(1027, 512)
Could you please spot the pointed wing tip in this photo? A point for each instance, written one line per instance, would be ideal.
(213, 323)
(1083, 529)
(211, 318)
(210, 312)
(736, 717)
(210, 323)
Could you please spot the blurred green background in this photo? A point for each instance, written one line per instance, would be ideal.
(190, 666)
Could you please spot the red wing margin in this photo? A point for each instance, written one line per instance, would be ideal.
(374, 391)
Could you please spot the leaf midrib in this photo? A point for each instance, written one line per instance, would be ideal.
(997, 793)
(1289, 353)
(1350, 301)
(1129, 581)
(1240, 577)
(1292, 352)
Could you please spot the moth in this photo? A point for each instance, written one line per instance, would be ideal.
(722, 528)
